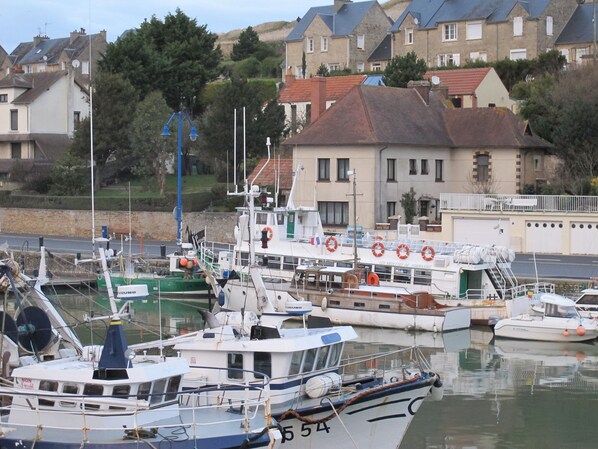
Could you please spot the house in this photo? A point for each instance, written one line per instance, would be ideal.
(38, 115)
(577, 41)
(473, 88)
(393, 140)
(341, 36)
(3, 55)
(448, 32)
(50, 55)
(277, 174)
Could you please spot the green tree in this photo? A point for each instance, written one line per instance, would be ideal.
(402, 69)
(151, 151)
(409, 205)
(323, 70)
(114, 101)
(70, 176)
(247, 45)
(176, 57)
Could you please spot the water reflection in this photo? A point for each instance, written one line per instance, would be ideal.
(498, 394)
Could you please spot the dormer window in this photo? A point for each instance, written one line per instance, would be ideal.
(449, 32)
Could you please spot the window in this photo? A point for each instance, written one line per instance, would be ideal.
(409, 36)
(412, 167)
(361, 41)
(235, 365)
(334, 213)
(262, 364)
(538, 162)
(391, 169)
(360, 67)
(309, 47)
(449, 32)
(85, 68)
(391, 210)
(335, 354)
(143, 391)
(296, 363)
(334, 67)
(517, 26)
(323, 169)
(376, 67)
(439, 170)
(342, 172)
(424, 167)
(121, 391)
(322, 357)
(310, 358)
(520, 53)
(324, 44)
(307, 114)
(482, 162)
(15, 150)
(451, 59)
(14, 120)
(3, 98)
(47, 385)
(158, 391)
(549, 26)
(76, 117)
(172, 388)
(473, 30)
(478, 56)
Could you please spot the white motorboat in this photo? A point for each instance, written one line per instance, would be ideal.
(106, 396)
(587, 303)
(555, 319)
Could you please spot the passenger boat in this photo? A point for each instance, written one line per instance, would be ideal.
(106, 396)
(283, 238)
(554, 319)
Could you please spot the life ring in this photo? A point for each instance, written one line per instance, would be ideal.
(268, 229)
(373, 279)
(428, 253)
(403, 251)
(351, 281)
(378, 249)
(331, 244)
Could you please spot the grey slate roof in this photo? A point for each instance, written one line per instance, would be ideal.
(579, 28)
(341, 24)
(432, 12)
(371, 115)
(35, 83)
(49, 48)
(383, 51)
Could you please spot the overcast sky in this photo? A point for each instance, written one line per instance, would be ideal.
(21, 20)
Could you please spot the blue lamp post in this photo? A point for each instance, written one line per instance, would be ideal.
(193, 136)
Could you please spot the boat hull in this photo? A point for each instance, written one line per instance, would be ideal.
(171, 286)
(533, 328)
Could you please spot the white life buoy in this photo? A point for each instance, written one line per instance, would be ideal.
(324, 304)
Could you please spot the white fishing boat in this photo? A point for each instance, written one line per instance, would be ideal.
(556, 319)
(587, 303)
(283, 238)
(106, 396)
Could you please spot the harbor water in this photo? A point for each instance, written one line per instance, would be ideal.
(498, 394)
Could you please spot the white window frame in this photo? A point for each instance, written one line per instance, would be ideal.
(360, 67)
(473, 30)
(478, 56)
(361, 41)
(376, 67)
(334, 67)
(518, 26)
(309, 45)
(448, 59)
(449, 32)
(549, 26)
(409, 36)
(324, 44)
(515, 52)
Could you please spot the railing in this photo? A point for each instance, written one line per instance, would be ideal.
(518, 203)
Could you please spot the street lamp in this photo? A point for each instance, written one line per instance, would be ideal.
(193, 136)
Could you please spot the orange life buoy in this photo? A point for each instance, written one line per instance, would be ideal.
(331, 244)
(403, 251)
(378, 249)
(428, 253)
(268, 229)
(351, 281)
(372, 363)
(373, 279)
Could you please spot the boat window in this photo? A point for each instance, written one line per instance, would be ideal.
(244, 259)
(143, 391)
(310, 357)
(335, 354)
(262, 364)
(235, 365)
(290, 263)
(403, 275)
(422, 277)
(384, 272)
(47, 385)
(69, 389)
(311, 279)
(322, 357)
(344, 265)
(588, 299)
(173, 387)
(334, 302)
(121, 391)
(261, 218)
(296, 363)
(157, 391)
(280, 219)
(358, 304)
(336, 281)
(274, 262)
(93, 390)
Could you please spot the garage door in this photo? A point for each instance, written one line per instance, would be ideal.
(491, 231)
(543, 237)
(584, 238)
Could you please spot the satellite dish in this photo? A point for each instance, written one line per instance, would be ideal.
(45, 58)
(435, 80)
(76, 63)
(416, 20)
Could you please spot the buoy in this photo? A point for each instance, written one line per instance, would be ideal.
(331, 244)
(378, 249)
(437, 390)
(196, 262)
(183, 262)
(373, 279)
(428, 253)
(566, 333)
(581, 331)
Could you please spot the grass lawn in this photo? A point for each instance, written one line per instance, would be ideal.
(139, 188)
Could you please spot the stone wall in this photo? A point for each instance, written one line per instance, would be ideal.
(151, 225)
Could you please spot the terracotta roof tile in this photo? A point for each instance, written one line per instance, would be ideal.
(336, 86)
(460, 81)
(270, 172)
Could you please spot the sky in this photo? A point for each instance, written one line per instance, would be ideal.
(21, 20)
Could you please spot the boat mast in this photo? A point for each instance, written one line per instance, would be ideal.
(354, 195)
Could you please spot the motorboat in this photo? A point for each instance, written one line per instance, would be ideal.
(555, 319)
(587, 303)
(107, 396)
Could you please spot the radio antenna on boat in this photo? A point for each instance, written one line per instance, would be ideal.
(353, 173)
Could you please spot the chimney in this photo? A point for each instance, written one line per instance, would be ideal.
(422, 87)
(37, 39)
(318, 97)
(289, 78)
(338, 4)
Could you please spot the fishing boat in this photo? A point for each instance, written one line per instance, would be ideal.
(107, 396)
(476, 276)
(554, 318)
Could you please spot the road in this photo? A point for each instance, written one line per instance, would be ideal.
(525, 265)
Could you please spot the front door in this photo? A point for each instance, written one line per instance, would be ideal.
(291, 226)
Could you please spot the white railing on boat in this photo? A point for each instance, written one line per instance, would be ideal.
(518, 203)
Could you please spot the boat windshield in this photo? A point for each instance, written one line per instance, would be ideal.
(554, 310)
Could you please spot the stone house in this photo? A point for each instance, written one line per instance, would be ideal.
(393, 140)
(340, 36)
(444, 32)
(577, 42)
(38, 115)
